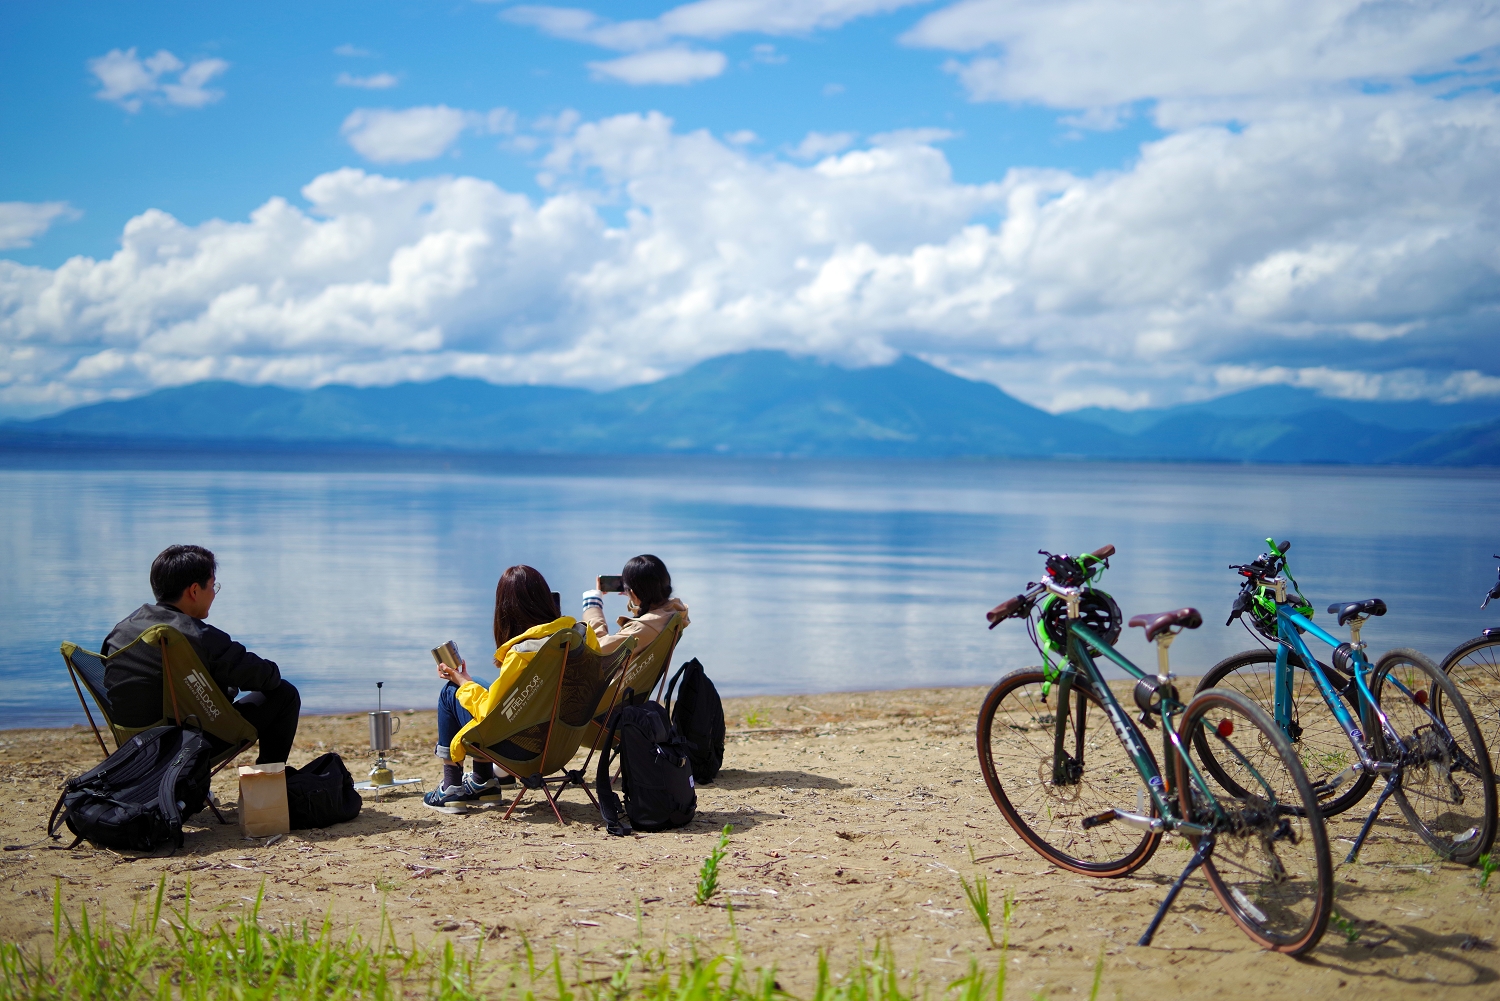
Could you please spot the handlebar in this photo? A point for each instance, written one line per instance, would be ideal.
(1006, 609)
(1021, 604)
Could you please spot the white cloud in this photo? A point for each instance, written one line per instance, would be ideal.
(674, 65)
(22, 222)
(352, 51)
(1348, 235)
(816, 145)
(1103, 54)
(385, 135)
(130, 81)
(375, 81)
(705, 19)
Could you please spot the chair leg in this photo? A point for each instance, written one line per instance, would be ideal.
(553, 803)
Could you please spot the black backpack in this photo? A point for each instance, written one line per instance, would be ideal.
(321, 793)
(699, 720)
(655, 774)
(138, 797)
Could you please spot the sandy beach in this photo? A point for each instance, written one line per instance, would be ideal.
(853, 816)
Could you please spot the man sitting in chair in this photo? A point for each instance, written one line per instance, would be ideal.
(182, 578)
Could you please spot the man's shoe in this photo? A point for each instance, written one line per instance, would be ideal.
(451, 799)
(484, 793)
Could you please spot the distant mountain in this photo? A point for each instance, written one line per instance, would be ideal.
(756, 403)
(1477, 445)
(1287, 401)
(770, 403)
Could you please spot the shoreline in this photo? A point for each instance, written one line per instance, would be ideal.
(853, 816)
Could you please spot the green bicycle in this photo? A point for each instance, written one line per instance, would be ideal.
(1063, 761)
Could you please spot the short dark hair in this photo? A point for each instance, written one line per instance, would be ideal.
(179, 568)
(522, 600)
(647, 576)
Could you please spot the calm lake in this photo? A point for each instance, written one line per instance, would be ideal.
(802, 576)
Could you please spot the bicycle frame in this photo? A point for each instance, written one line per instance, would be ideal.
(1288, 622)
(1080, 639)
(1170, 819)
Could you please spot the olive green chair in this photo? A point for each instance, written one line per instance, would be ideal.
(541, 721)
(189, 694)
(646, 670)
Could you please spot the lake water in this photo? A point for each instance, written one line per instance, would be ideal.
(802, 576)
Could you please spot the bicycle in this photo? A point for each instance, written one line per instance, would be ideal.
(1413, 729)
(1474, 667)
(1265, 853)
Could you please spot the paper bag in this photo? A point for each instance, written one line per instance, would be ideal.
(263, 811)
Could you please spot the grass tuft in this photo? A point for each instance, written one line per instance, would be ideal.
(1487, 866)
(164, 954)
(708, 875)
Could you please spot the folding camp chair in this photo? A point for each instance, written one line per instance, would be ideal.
(189, 694)
(646, 670)
(540, 723)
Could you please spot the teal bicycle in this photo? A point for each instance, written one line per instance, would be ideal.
(1353, 723)
(1075, 777)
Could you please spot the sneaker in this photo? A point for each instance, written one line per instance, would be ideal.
(451, 799)
(485, 793)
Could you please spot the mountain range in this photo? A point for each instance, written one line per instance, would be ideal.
(771, 403)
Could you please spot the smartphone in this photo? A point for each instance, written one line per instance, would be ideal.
(612, 585)
(447, 654)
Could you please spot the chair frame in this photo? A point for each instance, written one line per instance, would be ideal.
(220, 760)
(568, 777)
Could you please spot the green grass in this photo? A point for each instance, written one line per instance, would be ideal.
(165, 954)
(1487, 866)
(757, 717)
(1344, 926)
(708, 874)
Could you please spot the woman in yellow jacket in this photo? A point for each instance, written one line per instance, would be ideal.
(525, 615)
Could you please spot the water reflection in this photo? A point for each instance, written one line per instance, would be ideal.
(802, 576)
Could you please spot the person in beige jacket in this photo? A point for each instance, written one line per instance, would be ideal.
(648, 588)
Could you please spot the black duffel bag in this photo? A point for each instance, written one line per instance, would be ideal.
(656, 775)
(321, 793)
(138, 797)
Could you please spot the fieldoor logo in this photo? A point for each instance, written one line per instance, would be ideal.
(518, 701)
(204, 691)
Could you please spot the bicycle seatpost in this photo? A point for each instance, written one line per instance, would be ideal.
(1163, 640)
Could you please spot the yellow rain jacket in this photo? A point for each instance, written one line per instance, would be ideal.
(511, 658)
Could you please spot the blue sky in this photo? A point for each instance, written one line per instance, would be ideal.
(1084, 202)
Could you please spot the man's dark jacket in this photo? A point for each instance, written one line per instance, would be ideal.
(134, 680)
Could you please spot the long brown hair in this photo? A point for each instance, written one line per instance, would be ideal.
(522, 600)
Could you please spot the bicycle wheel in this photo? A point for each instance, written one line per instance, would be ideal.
(1016, 732)
(1447, 790)
(1270, 866)
(1320, 743)
(1474, 667)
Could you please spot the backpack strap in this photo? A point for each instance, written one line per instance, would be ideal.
(673, 685)
(610, 809)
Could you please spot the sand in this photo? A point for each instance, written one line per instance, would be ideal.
(853, 817)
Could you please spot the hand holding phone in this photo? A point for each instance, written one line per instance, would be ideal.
(610, 584)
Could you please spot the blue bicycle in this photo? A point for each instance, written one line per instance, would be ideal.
(1352, 723)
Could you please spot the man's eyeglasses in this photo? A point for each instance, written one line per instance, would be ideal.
(216, 588)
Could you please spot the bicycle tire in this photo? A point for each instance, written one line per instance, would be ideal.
(1321, 745)
(1270, 866)
(1474, 667)
(1452, 810)
(1016, 727)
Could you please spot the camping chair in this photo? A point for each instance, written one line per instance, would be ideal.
(188, 693)
(541, 721)
(645, 671)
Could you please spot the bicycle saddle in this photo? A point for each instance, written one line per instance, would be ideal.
(1349, 609)
(1155, 622)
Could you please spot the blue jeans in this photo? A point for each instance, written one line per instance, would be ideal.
(452, 718)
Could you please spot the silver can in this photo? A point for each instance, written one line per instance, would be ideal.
(447, 654)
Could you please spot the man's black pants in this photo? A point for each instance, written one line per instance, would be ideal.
(274, 716)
